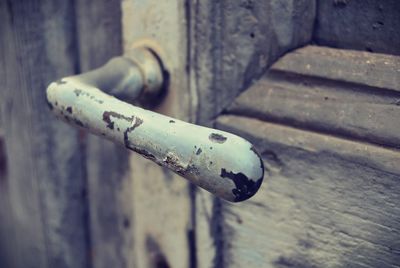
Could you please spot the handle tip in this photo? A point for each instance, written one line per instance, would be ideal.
(246, 186)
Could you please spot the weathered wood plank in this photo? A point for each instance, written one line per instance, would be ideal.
(342, 65)
(233, 43)
(162, 225)
(346, 93)
(111, 206)
(162, 216)
(45, 178)
(110, 186)
(326, 202)
(359, 24)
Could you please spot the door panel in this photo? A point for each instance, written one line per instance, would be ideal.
(232, 43)
(45, 181)
(213, 50)
(161, 223)
(362, 24)
(325, 121)
(347, 93)
(109, 192)
(327, 202)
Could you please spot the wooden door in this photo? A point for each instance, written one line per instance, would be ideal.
(49, 171)
(313, 84)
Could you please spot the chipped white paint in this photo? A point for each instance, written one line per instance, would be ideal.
(220, 162)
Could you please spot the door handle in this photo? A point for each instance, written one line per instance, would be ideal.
(220, 162)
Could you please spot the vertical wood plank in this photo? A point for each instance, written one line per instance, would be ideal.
(45, 182)
(161, 200)
(232, 44)
(110, 190)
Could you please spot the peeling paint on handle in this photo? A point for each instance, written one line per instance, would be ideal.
(222, 163)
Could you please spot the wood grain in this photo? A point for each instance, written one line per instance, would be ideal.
(325, 121)
(326, 202)
(373, 70)
(46, 184)
(359, 24)
(339, 92)
(233, 43)
(162, 225)
(110, 187)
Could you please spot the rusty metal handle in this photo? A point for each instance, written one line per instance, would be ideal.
(222, 163)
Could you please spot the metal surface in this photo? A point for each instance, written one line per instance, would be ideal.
(222, 163)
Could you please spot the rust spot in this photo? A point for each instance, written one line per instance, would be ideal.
(77, 92)
(192, 169)
(173, 163)
(144, 153)
(108, 114)
(198, 151)
(137, 123)
(78, 122)
(218, 138)
(110, 125)
(107, 118)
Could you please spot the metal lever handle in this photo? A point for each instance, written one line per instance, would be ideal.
(222, 163)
